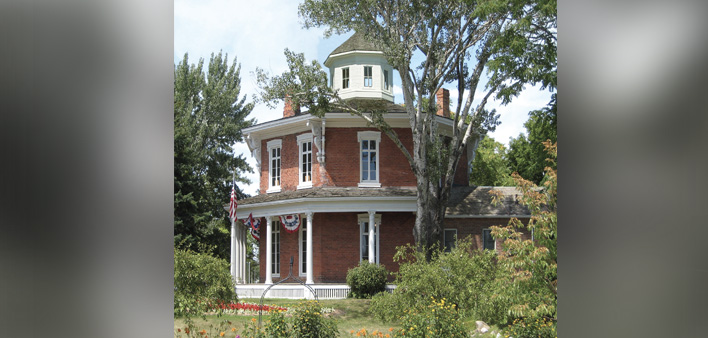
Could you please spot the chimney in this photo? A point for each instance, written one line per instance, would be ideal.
(443, 102)
(288, 110)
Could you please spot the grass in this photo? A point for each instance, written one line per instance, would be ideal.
(351, 314)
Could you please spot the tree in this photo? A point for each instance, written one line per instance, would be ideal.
(208, 117)
(457, 41)
(490, 165)
(527, 156)
(530, 281)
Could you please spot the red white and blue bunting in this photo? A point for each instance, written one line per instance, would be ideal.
(254, 225)
(290, 222)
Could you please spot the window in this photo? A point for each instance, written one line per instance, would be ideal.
(489, 242)
(364, 237)
(303, 246)
(449, 239)
(345, 78)
(367, 76)
(304, 142)
(275, 253)
(274, 147)
(369, 158)
(387, 84)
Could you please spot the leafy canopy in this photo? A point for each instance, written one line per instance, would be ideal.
(208, 118)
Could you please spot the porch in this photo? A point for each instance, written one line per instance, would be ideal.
(298, 291)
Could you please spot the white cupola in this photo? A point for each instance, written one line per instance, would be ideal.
(359, 70)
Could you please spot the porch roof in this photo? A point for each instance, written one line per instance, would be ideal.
(464, 202)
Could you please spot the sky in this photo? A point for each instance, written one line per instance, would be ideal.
(257, 33)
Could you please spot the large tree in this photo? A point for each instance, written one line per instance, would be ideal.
(456, 41)
(491, 166)
(527, 155)
(209, 116)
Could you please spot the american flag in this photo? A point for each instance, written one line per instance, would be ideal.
(233, 205)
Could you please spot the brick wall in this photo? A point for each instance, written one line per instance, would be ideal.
(473, 227)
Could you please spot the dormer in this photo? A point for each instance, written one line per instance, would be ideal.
(358, 69)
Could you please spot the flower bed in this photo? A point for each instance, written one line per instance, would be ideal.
(246, 309)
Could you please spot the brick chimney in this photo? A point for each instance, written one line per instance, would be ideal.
(443, 102)
(288, 110)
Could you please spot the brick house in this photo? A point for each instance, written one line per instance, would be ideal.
(350, 186)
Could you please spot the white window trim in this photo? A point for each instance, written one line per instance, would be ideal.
(307, 137)
(348, 77)
(272, 144)
(276, 229)
(365, 218)
(371, 76)
(444, 234)
(303, 224)
(490, 234)
(375, 136)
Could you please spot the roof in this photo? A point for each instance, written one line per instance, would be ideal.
(464, 202)
(356, 42)
(477, 201)
(330, 192)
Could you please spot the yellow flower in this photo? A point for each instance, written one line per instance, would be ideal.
(390, 329)
(253, 320)
(222, 334)
(233, 329)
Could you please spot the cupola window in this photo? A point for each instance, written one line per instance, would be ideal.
(368, 82)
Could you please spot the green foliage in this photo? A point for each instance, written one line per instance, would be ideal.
(513, 40)
(200, 280)
(462, 276)
(528, 327)
(490, 166)
(529, 278)
(307, 321)
(437, 319)
(527, 156)
(219, 329)
(208, 118)
(367, 279)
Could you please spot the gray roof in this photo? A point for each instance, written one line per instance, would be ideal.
(477, 201)
(464, 201)
(323, 192)
(356, 42)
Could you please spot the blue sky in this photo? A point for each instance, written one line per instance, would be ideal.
(257, 32)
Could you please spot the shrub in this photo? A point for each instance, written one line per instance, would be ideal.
(366, 279)
(201, 281)
(463, 277)
(530, 327)
(438, 319)
(306, 321)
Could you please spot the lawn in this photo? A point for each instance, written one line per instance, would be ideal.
(351, 314)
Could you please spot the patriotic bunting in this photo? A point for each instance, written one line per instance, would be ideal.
(254, 225)
(290, 222)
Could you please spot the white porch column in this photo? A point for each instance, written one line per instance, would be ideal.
(240, 255)
(310, 267)
(244, 243)
(372, 220)
(269, 248)
(234, 259)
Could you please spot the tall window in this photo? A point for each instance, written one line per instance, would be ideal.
(303, 246)
(367, 76)
(275, 253)
(489, 243)
(364, 237)
(369, 158)
(304, 142)
(274, 147)
(345, 78)
(450, 238)
(387, 83)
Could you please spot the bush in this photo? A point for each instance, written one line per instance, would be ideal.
(201, 281)
(438, 319)
(529, 327)
(366, 279)
(306, 321)
(464, 277)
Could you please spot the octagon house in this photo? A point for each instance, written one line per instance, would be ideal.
(334, 192)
